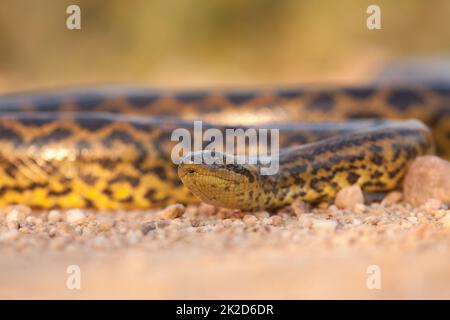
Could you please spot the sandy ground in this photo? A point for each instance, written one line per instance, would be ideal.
(205, 253)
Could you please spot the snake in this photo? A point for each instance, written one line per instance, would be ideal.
(110, 147)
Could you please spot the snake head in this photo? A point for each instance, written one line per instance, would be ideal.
(220, 181)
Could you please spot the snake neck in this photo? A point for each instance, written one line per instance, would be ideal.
(374, 159)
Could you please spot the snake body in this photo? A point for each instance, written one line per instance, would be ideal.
(109, 148)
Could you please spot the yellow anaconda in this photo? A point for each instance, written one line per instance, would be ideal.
(110, 148)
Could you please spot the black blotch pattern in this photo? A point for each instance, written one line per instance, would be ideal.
(93, 124)
(352, 177)
(59, 193)
(323, 102)
(402, 99)
(88, 178)
(83, 145)
(89, 101)
(240, 97)
(142, 100)
(241, 170)
(54, 136)
(443, 90)
(360, 93)
(36, 121)
(10, 135)
(133, 181)
(363, 114)
(290, 93)
(191, 97)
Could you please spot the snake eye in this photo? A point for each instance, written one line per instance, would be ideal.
(190, 170)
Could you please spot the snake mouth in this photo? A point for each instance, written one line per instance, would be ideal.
(186, 171)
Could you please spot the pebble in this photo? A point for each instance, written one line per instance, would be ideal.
(412, 220)
(323, 205)
(133, 236)
(305, 220)
(445, 220)
(162, 224)
(324, 225)
(9, 235)
(276, 221)
(33, 220)
(348, 197)
(206, 209)
(75, 216)
(250, 220)
(100, 242)
(15, 216)
(147, 226)
(359, 208)
(172, 212)
(105, 223)
(13, 225)
(392, 197)
(432, 205)
(300, 207)
(427, 177)
(54, 216)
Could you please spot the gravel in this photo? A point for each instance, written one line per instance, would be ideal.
(248, 245)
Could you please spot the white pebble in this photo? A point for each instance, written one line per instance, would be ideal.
(13, 225)
(172, 212)
(133, 237)
(54, 216)
(9, 235)
(445, 220)
(325, 225)
(15, 215)
(75, 216)
(348, 197)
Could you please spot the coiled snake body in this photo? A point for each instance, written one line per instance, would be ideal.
(110, 148)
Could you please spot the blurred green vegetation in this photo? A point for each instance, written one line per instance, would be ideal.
(212, 42)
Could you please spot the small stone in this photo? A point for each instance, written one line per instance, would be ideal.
(31, 220)
(133, 236)
(348, 197)
(9, 235)
(262, 214)
(15, 215)
(440, 213)
(445, 220)
(300, 207)
(250, 220)
(206, 209)
(52, 231)
(59, 243)
(105, 223)
(276, 221)
(359, 208)
(147, 226)
(323, 205)
(392, 197)
(412, 220)
(432, 205)
(195, 223)
(172, 212)
(162, 224)
(13, 225)
(54, 216)
(324, 225)
(427, 177)
(75, 216)
(305, 220)
(100, 242)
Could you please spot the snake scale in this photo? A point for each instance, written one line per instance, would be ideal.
(109, 147)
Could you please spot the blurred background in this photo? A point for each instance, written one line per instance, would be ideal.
(205, 43)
